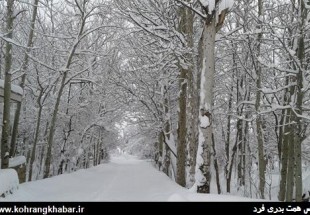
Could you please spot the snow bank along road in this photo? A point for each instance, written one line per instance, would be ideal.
(125, 178)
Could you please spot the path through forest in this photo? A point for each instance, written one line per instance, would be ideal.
(125, 178)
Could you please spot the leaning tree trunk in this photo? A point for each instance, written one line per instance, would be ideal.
(59, 95)
(47, 163)
(7, 87)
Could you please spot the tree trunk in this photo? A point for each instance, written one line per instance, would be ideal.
(283, 173)
(193, 135)
(227, 141)
(5, 139)
(47, 163)
(160, 149)
(259, 123)
(216, 167)
(24, 70)
(240, 152)
(290, 166)
(167, 130)
(36, 137)
(228, 177)
(298, 132)
(186, 28)
(59, 94)
(181, 158)
(206, 101)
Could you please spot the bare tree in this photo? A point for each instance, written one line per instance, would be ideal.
(5, 139)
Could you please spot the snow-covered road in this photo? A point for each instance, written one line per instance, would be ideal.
(125, 178)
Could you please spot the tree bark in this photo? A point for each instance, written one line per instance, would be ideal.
(181, 158)
(290, 166)
(5, 139)
(216, 167)
(259, 125)
(167, 129)
(298, 129)
(24, 70)
(212, 23)
(186, 28)
(206, 102)
(36, 137)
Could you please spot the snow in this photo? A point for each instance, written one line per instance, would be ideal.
(80, 151)
(208, 3)
(14, 88)
(204, 122)
(16, 161)
(9, 181)
(225, 4)
(222, 5)
(199, 177)
(125, 178)
(170, 142)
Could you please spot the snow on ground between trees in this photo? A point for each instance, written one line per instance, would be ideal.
(8, 181)
(125, 178)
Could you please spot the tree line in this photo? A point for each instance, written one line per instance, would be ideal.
(215, 91)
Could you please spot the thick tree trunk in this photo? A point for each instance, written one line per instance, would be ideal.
(181, 158)
(290, 166)
(284, 138)
(186, 28)
(192, 127)
(259, 123)
(203, 164)
(193, 89)
(298, 132)
(5, 139)
(284, 161)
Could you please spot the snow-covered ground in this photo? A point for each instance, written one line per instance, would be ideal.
(125, 178)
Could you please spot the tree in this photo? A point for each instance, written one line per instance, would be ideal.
(5, 139)
(213, 20)
(24, 70)
(83, 27)
(259, 124)
(185, 27)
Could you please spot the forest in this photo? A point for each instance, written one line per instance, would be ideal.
(214, 92)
